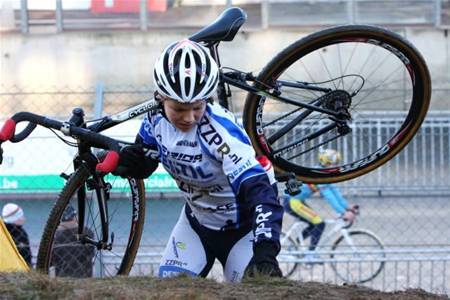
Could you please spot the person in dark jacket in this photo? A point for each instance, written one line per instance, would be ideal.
(14, 218)
(70, 257)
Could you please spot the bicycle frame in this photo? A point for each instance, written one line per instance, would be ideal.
(338, 226)
(84, 151)
(77, 125)
(240, 80)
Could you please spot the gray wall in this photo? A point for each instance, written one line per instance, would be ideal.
(81, 59)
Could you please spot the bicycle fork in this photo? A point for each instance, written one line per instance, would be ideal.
(102, 193)
(348, 239)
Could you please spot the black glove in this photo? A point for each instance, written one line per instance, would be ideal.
(264, 262)
(134, 163)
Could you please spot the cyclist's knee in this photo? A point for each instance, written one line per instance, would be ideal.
(321, 226)
(317, 220)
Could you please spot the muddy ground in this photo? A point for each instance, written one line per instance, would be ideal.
(37, 286)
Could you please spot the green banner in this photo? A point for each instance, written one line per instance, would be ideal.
(159, 182)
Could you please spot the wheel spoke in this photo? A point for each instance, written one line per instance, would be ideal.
(368, 73)
(105, 259)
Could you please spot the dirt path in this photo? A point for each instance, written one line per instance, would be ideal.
(37, 286)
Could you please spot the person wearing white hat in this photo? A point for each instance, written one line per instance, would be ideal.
(14, 218)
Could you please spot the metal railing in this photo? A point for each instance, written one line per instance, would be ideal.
(419, 268)
(419, 168)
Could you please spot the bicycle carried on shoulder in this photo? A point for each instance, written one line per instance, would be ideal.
(319, 91)
(355, 255)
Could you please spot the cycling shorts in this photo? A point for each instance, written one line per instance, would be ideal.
(301, 210)
(192, 249)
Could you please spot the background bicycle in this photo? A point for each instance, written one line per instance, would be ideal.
(355, 255)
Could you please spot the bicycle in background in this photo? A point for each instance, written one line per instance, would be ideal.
(355, 255)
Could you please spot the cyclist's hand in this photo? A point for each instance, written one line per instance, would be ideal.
(349, 216)
(355, 208)
(263, 262)
(134, 163)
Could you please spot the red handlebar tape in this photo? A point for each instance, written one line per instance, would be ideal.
(110, 162)
(7, 131)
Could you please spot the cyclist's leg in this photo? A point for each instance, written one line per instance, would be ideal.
(315, 223)
(315, 231)
(238, 258)
(185, 253)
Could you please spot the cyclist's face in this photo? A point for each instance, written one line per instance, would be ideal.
(184, 115)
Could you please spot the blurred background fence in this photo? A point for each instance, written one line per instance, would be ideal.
(405, 202)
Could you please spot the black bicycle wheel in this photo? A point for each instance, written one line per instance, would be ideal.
(61, 252)
(367, 76)
(359, 261)
(287, 260)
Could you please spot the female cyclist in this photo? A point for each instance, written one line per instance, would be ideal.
(232, 212)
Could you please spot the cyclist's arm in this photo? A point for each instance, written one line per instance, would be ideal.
(145, 134)
(134, 161)
(334, 197)
(247, 178)
(257, 200)
(306, 191)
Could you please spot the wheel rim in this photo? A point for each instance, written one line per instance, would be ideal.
(362, 265)
(74, 258)
(393, 81)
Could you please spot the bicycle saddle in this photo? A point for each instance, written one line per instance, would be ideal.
(224, 28)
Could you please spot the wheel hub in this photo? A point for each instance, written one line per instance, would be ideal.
(339, 101)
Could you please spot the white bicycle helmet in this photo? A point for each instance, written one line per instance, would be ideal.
(329, 157)
(186, 72)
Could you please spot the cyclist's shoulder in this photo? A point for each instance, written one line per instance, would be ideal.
(217, 109)
(221, 116)
(222, 124)
(152, 118)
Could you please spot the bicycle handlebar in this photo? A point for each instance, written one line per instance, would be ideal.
(111, 160)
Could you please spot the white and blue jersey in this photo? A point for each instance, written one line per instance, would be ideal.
(210, 165)
(231, 205)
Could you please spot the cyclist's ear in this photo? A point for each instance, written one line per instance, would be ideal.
(159, 99)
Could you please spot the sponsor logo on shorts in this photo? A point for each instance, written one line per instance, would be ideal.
(177, 245)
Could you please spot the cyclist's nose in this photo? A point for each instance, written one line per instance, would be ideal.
(189, 116)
